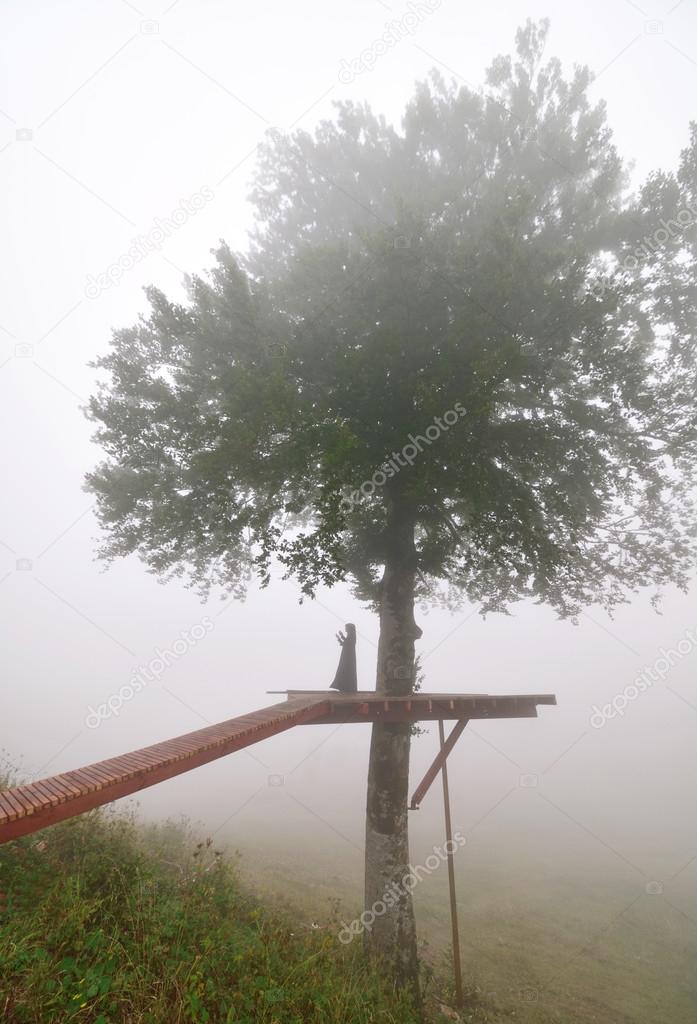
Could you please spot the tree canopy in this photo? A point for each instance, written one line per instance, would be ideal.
(487, 260)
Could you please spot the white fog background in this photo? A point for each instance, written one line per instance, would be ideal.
(111, 114)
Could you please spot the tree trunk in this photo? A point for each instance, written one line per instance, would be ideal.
(390, 931)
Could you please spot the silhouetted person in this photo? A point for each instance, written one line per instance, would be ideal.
(345, 680)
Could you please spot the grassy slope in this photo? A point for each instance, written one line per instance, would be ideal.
(105, 922)
(541, 944)
(110, 923)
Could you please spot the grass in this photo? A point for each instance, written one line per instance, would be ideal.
(564, 940)
(104, 922)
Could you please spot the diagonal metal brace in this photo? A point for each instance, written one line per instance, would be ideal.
(426, 782)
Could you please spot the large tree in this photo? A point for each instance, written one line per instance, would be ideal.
(448, 368)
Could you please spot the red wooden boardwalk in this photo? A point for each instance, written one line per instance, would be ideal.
(28, 808)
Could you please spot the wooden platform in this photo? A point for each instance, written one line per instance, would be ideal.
(366, 705)
(26, 809)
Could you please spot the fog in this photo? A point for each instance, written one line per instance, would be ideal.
(111, 115)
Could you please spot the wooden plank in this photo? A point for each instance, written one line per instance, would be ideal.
(66, 787)
(85, 780)
(100, 783)
(49, 795)
(7, 809)
(17, 808)
(23, 797)
(27, 808)
(438, 763)
(32, 796)
(430, 707)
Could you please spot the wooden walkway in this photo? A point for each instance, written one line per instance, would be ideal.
(26, 809)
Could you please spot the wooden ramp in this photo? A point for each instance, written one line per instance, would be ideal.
(26, 809)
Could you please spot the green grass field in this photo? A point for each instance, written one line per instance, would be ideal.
(107, 922)
(542, 943)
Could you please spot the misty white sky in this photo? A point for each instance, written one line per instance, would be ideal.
(111, 114)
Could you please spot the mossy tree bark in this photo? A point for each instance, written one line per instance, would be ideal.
(392, 932)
